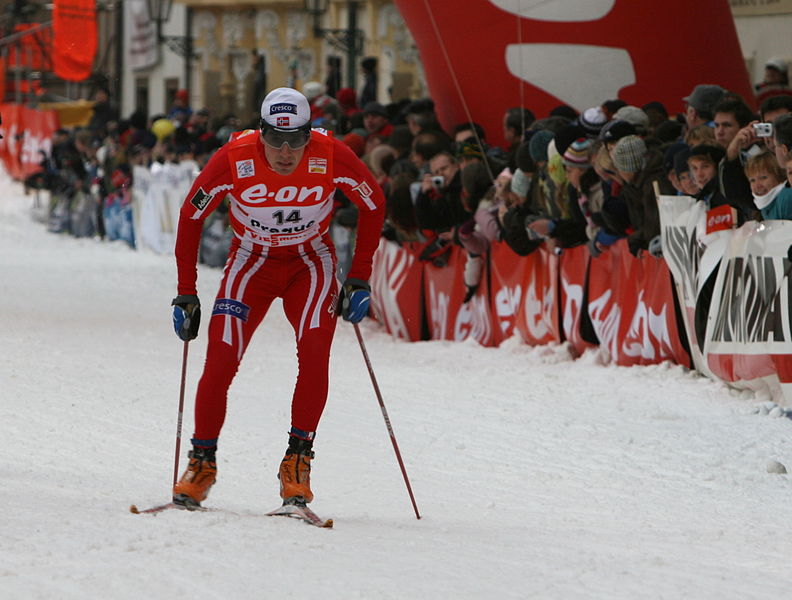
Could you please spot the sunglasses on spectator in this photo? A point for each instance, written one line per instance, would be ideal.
(293, 138)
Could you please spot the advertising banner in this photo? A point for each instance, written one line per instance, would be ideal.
(653, 333)
(680, 217)
(449, 318)
(141, 32)
(749, 334)
(524, 295)
(631, 307)
(573, 275)
(27, 133)
(397, 290)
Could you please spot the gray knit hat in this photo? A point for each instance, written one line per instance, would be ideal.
(520, 183)
(629, 154)
(634, 115)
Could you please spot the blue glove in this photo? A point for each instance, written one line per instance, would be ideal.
(607, 239)
(354, 300)
(186, 316)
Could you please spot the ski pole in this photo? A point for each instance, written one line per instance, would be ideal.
(181, 413)
(387, 419)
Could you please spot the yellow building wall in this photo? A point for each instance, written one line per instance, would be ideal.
(227, 33)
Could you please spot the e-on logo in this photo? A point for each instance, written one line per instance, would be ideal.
(258, 194)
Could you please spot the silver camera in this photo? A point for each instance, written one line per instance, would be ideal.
(438, 181)
(763, 130)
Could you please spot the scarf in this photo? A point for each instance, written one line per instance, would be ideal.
(763, 202)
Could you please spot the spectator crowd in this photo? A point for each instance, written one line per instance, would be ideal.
(564, 179)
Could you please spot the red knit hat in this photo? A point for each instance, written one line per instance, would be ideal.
(357, 142)
(346, 97)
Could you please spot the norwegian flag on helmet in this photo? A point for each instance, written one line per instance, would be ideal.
(282, 121)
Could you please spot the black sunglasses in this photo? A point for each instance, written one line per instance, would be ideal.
(293, 138)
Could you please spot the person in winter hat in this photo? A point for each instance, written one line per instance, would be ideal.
(615, 130)
(775, 81)
(375, 120)
(571, 230)
(592, 120)
(700, 104)
(280, 180)
(320, 102)
(586, 191)
(538, 143)
(629, 155)
(640, 167)
(635, 116)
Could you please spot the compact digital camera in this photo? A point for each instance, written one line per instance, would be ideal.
(763, 129)
(438, 181)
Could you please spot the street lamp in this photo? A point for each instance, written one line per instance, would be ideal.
(349, 40)
(160, 12)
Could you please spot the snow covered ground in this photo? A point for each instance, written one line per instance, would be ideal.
(537, 476)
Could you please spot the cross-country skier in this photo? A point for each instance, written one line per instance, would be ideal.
(280, 182)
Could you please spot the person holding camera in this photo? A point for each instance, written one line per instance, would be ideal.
(751, 140)
(439, 207)
(731, 117)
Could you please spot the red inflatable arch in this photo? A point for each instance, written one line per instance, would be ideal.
(498, 54)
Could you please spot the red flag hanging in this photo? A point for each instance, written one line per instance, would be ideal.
(74, 38)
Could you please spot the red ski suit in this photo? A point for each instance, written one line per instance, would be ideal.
(281, 249)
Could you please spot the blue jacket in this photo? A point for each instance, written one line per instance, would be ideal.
(781, 207)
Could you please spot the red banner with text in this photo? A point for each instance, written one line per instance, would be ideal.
(631, 307)
(524, 295)
(450, 318)
(27, 133)
(396, 285)
(572, 295)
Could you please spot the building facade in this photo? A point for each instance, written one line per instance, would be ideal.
(239, 51)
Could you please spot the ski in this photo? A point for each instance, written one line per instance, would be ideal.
(161, 507)
(295, 510)
(298, 510)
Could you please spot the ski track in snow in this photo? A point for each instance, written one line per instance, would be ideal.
(536, 476)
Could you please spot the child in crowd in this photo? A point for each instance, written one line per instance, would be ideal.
(687, 185)
(701, 134)
(770, 189)
(703, 162)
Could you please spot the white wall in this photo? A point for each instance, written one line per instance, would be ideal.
(762, 38)
(170, 65)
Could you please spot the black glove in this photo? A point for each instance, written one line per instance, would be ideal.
(186, 316)
(471, 291)
(354, 300)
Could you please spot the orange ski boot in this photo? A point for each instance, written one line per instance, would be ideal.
(194, 485)
(295, 472)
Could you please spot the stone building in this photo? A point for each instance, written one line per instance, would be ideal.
(238, 45)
